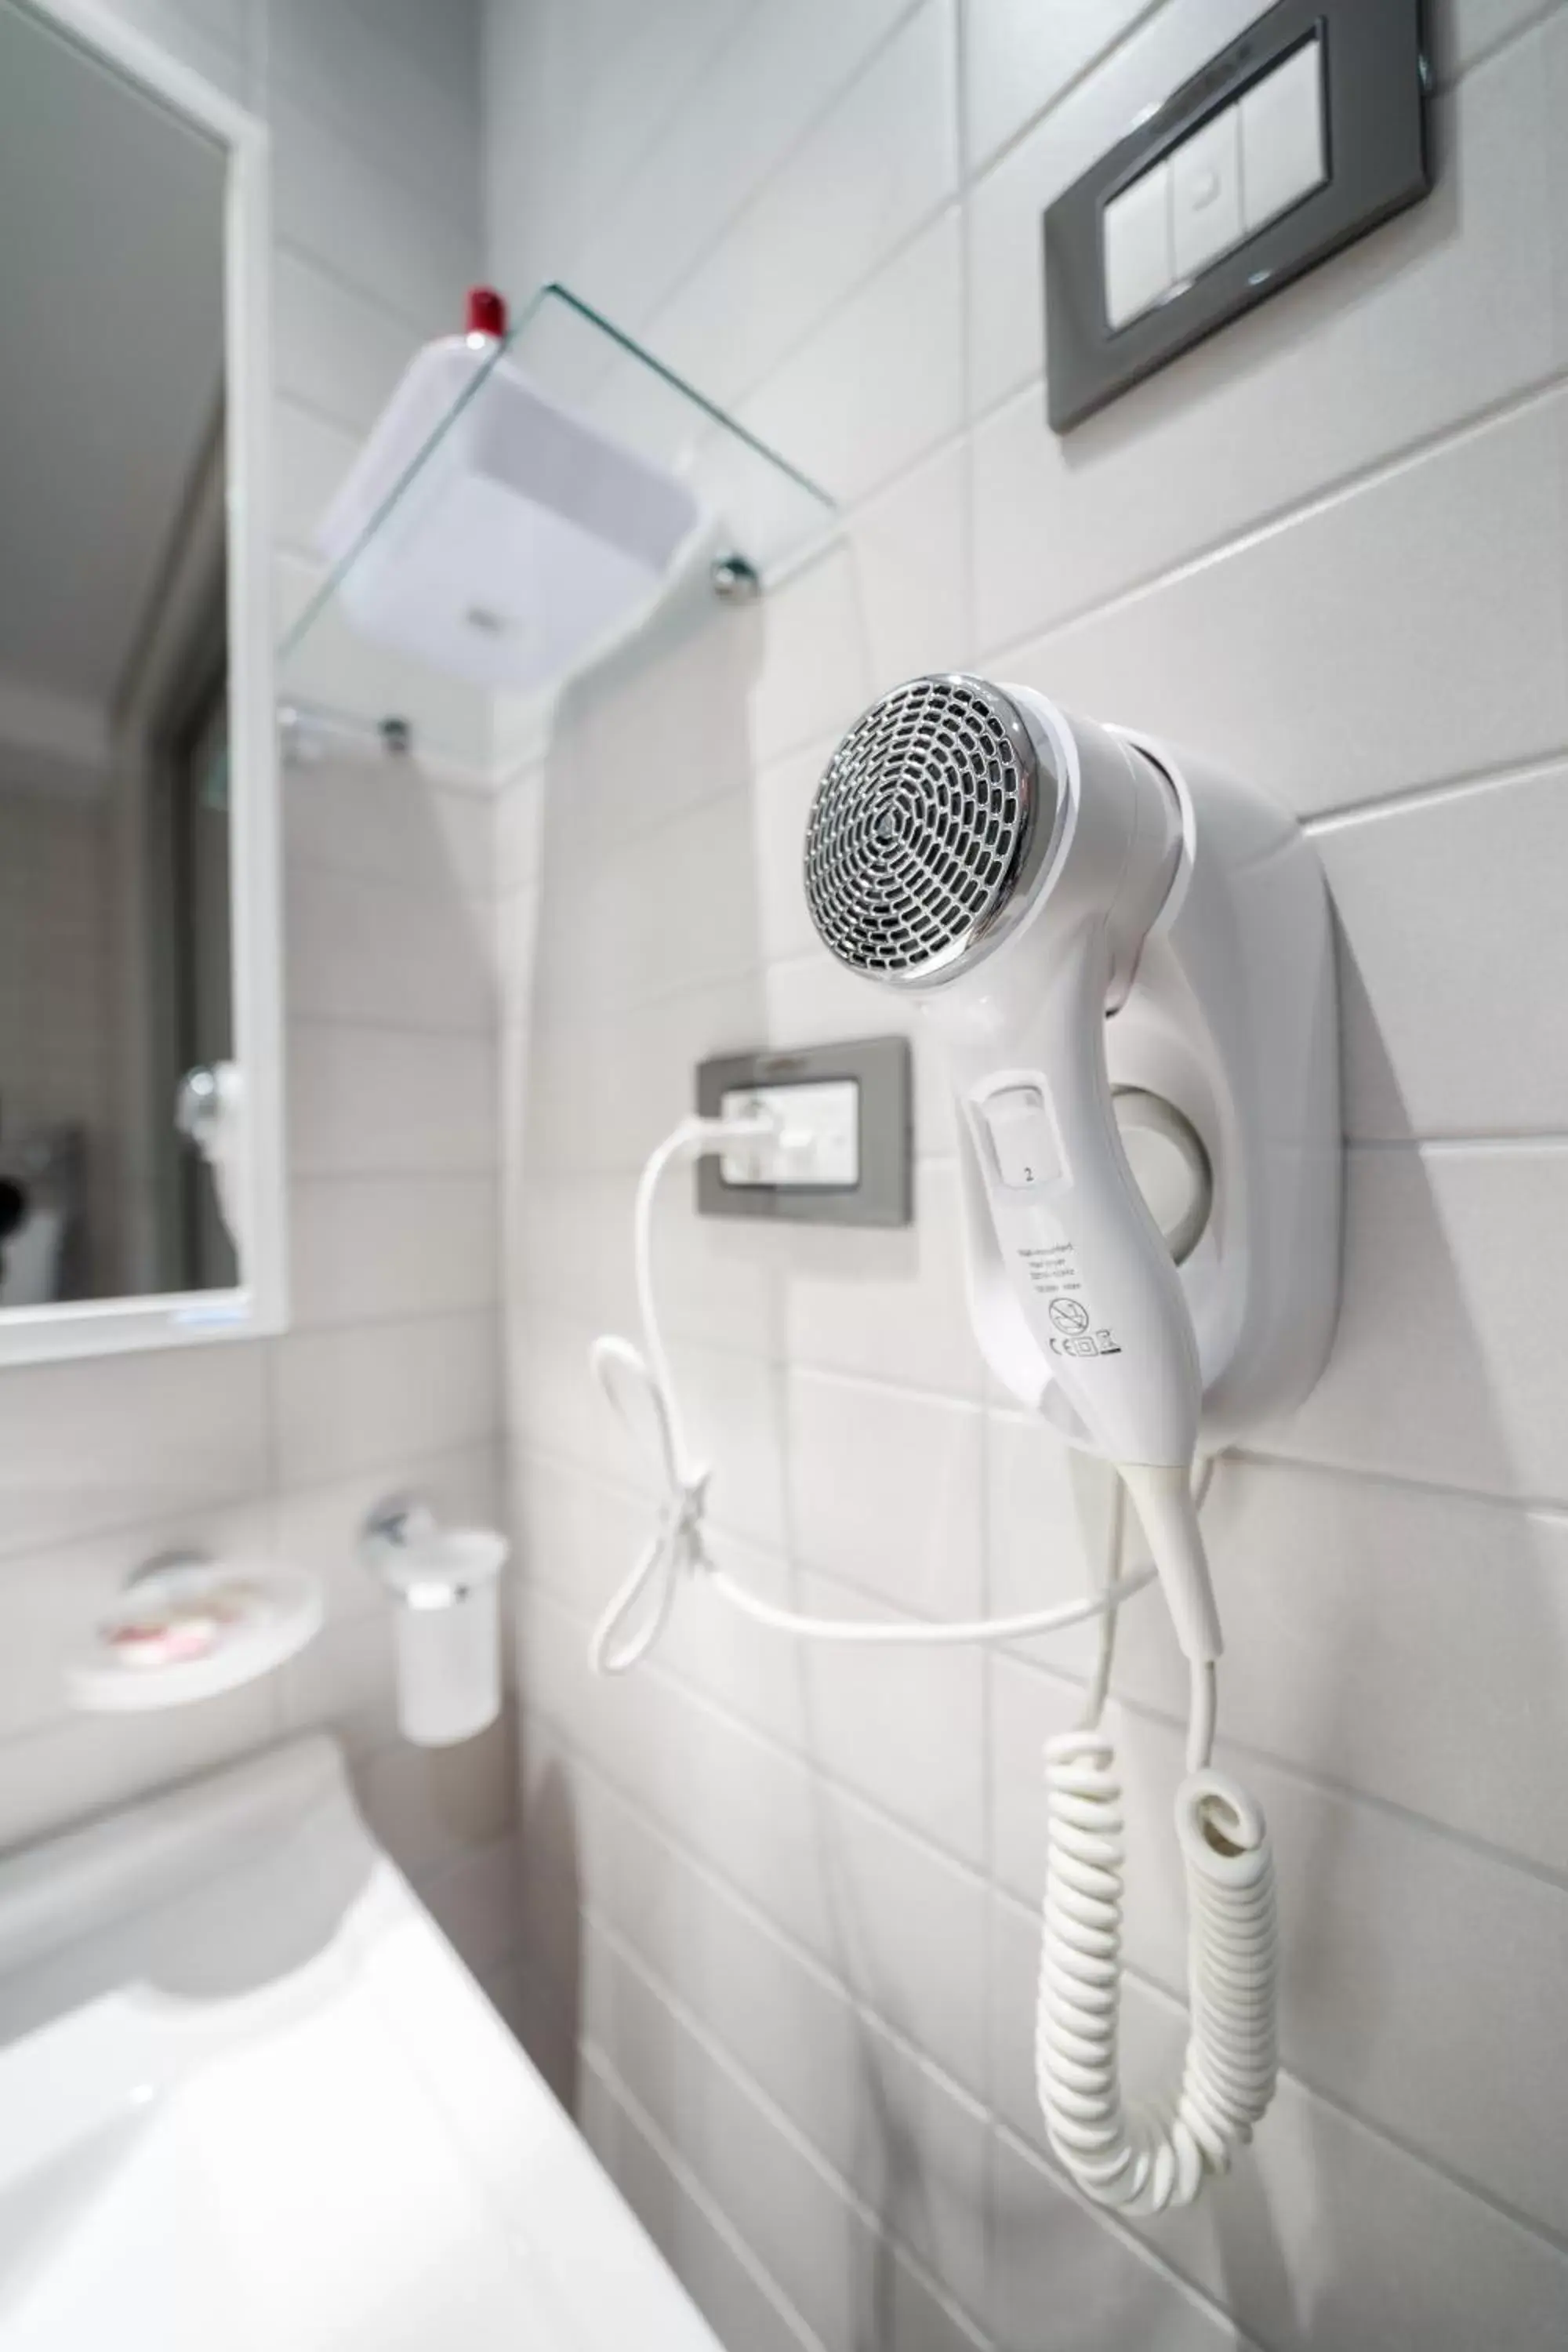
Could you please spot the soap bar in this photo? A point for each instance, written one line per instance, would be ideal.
(190, 1630)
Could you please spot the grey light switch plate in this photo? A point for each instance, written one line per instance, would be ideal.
(880, 1068)
(1375, 82)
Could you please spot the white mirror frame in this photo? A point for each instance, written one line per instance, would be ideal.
(95, 1327)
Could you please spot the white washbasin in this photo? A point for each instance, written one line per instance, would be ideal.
(250, 2098)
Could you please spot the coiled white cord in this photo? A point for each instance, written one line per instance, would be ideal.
(1146, 2161)
(1141, 2160)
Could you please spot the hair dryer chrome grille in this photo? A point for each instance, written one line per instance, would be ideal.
(920, 827)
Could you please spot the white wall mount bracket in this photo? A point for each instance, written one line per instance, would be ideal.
(1222, 1062)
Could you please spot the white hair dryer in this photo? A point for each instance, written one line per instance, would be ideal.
(1085, 915)
(1088, 917)
(1127, 960)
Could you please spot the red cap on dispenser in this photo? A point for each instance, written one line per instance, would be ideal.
(487, 311)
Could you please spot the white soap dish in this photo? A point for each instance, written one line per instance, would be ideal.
(188, 1628)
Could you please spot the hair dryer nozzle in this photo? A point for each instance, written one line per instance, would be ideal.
(934, 814)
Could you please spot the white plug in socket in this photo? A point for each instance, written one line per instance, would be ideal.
(817, 1138)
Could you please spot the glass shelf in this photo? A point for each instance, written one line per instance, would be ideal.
(761, 514)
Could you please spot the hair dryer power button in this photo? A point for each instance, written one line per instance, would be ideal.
(1023, 1136)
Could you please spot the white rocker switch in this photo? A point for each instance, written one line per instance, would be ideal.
(1283, 151)
(1305, 132)
(1137, 232)
(1206, 194)
(1022, 1137)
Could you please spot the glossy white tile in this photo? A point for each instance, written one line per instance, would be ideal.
(882, 381)
(108, 1442)
(725, 2279)
(363, 950)
(364, 1247)
(364, 1100)
(1019, 59)
(1439, 1040)
(885, 1491)
(351, 1399)
(827, 2253)
(1446, 1366)
(1391, 1935)
(359, 218)
(909, 2145)
(736, 126)
(896, 1924)
(1327, 2215)
(338, 350)
(880, 164)
(1409, 631)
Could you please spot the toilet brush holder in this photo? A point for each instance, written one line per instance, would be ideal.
(445, 1588)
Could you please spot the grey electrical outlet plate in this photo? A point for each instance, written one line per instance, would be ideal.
(880, 1068)
(1375, 116)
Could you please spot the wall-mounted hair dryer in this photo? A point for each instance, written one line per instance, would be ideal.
(1127, 960)
(1086, 916)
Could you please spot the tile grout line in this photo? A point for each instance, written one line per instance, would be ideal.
(1341, 1792)
(884, 1385)
(681, 1683)
(447, 1032)
(1327, 822)
(718, 1883)
(765, 1922)
(1240, 2342)
(1505, 40)
(1525, 1506)
(772, 1930)
(313, 1180)
(682, 1689)
(1523, 401)
(997, 1890)
(619, 1489)
(1303, 1776)
(645, 324)
(1007, 147)
(967, 183)
(1316, 823)
(341, 281)
(447, 891)
(1556, 2240)
(740, 2075)
(680, 2171)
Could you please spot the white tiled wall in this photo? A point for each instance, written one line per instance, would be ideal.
(389, 1378)
(780, 1908)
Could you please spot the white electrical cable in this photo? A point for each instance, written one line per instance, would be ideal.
(1143, 2162)
(639, 1385)
(896, 1632)
(1137, 2161)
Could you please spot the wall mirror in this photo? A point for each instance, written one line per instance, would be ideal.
(141, 1177)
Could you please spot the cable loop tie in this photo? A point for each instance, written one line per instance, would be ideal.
(681, 1521)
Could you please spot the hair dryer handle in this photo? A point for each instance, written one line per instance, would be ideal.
(1073, 1272)
(1087, 1262)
